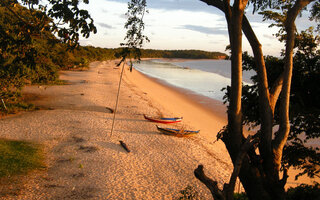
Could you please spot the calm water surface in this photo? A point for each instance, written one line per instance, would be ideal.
(204, 77)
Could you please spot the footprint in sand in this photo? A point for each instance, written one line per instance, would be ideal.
(88, 149)
(78, 139)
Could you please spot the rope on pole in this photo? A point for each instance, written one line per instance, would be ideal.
(115, 110)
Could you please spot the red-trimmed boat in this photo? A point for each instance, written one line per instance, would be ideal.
(163, 120)
(177, 132)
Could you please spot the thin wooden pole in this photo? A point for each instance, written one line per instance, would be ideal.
(5, 107)
(239, 186)
(115, 110)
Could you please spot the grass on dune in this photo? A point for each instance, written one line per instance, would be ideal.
(19, 157)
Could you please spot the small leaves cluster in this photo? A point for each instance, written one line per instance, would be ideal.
(135, 27)
(315, 13)
(189, 193)
(78, 20)
(276, 11)
(28, 32)
(135, 24)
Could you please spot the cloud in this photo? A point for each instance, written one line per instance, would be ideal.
(187, 5)
(86, 42)
(103, 10)
(269, 36)
(104, 25)
(123, 16)
(205, 30)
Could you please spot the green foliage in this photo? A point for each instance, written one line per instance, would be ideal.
(301, 192)
(78, 20)
(240, 196)
(19, 157)
(304, 192)
(30, 52)
(135, 27)
(15, 107)
(188, 54)
(276, 11)
(189, 193)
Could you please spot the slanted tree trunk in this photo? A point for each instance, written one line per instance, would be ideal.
(259, 173)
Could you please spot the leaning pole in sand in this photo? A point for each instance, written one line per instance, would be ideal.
(117, 100)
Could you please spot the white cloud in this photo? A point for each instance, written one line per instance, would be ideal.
(176, 24)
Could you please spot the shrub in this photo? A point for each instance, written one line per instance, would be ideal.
(304, 192)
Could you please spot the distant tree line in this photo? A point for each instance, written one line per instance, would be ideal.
(188, 54)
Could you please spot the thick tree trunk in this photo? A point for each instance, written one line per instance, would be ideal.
(251, 173)
(259, 174)
(267, 101)
(249, 176)
(234, 137)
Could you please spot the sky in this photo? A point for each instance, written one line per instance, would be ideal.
(177, 24)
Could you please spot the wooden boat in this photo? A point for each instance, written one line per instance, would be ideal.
(177, 132)
(163, 120)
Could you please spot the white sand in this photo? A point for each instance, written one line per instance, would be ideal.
(85, 163)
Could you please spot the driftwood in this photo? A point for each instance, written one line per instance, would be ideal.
(110, 110)
(124, 146)
(228, 188)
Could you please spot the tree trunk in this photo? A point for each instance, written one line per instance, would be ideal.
(234, 137)
(251, 174)
(259, 174)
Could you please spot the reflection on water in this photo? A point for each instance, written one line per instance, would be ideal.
(205, 77)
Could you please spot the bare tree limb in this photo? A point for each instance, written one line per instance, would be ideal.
(284, 125)
(211, 185)
(275, 91)
(265, 108)
(285, 177)
(228, 189)
(217, 3)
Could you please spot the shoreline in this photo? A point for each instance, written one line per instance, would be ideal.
(182, 102)
(193, 112)
(83, 159)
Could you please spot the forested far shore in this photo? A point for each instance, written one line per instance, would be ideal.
(98, 53)
(187, 54)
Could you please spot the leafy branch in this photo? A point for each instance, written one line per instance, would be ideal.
(135, 27)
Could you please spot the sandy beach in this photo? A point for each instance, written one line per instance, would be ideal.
(84, 162)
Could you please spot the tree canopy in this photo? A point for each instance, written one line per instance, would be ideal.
(31, 41)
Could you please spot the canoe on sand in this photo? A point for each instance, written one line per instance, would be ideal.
(177, 132)
(163, 120)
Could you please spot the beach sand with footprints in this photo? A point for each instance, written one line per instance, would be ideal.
(84, 161)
